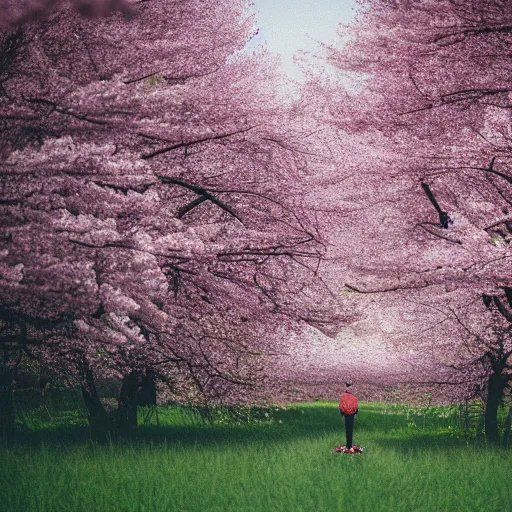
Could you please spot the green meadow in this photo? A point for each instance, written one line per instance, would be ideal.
(279, 459)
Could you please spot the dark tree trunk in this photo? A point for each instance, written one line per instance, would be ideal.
(7, 411)
(126, 420)
(147, 391)
(14, 332)
(508, 426)
(99, 420)
(495, 388)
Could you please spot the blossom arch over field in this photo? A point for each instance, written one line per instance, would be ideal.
(165, 215)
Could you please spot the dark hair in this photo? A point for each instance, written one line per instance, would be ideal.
(348, 383)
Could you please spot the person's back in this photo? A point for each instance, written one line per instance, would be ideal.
(348, 403)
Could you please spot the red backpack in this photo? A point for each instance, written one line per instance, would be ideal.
(348, 403)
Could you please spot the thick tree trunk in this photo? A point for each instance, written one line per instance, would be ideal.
(7, 411)
(495, 388)
(147, 391)
(126, 419)
(99, 420)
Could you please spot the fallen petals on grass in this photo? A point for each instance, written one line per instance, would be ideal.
(344, 449)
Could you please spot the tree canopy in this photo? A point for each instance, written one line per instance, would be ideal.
(165, 214)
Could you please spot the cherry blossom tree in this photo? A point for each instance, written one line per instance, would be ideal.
(152, 211)
(430, 87)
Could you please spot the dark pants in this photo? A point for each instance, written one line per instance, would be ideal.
(349, 428)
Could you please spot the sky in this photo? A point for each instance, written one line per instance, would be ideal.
(286, 26)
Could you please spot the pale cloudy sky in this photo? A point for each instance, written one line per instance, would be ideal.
(290, 25)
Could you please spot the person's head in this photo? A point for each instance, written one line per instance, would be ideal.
(348, 383)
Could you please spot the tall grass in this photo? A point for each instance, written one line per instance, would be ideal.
(279, 462)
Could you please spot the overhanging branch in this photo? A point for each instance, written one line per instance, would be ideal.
(397, 288)
(187, 144)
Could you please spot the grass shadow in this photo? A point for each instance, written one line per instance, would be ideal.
(286, 425)
(432, 441)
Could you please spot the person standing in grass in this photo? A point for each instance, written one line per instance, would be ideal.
(349, 407)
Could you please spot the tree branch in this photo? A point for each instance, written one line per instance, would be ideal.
(190, 206)
(205, 196)
(422, 225)
(444, 219)
(502, 309)
(496, 173)
(187, 144)
(386, 290)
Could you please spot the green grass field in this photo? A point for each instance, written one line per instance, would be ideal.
(281, 463)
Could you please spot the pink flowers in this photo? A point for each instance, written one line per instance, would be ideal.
(344, 449)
